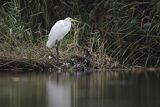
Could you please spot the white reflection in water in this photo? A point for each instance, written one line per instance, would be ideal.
(59, 94)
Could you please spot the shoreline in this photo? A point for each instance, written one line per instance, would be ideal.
(34, 58)
(28, 65)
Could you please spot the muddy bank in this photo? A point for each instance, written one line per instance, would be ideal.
(72, 63)
(35, 57)
(18, 65)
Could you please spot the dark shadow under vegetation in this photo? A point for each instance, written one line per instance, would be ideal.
(126, 31)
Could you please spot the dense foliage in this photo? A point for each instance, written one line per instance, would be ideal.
(128, 30)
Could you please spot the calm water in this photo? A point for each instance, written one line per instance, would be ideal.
(98, 89)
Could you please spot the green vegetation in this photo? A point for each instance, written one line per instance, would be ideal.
(126, 30)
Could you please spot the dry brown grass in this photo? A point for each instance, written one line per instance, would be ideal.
(35, 56)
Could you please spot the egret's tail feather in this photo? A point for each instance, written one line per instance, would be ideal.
(50, 44)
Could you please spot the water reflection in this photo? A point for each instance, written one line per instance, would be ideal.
(98, 89)
(59, 93)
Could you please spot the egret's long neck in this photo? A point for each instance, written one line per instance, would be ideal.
(67, 26)
(67, 23)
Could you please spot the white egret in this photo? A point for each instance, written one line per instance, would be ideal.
(57, 33)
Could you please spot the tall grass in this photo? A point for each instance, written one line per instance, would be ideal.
(127, 30)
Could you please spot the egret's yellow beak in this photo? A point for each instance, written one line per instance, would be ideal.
(74, 20)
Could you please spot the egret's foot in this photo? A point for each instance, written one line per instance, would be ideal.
(59, 63)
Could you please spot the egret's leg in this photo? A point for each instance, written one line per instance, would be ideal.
(57, 51)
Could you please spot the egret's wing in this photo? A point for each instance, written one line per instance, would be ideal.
(57, 27)
(56, 32)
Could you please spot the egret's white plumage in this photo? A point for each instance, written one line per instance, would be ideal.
(58, 31)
